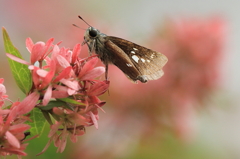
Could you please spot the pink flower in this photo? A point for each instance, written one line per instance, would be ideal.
(40, 50)
(12, 132)
(70, 82)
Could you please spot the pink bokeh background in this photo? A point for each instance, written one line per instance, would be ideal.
(141, 120)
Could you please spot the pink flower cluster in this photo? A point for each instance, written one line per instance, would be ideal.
(12, 126)
(62, 78)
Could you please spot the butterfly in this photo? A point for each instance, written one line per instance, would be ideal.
(137, 62)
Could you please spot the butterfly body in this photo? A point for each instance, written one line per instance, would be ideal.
(137, 62)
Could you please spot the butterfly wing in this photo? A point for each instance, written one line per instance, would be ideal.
(137, 62)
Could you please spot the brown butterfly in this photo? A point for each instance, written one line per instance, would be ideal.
(137, 62)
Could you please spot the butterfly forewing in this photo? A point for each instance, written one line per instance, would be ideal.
(149, 63)
(119, 58)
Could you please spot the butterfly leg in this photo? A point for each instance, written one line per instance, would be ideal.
(91, 47)
(106, 72)
(84, 42)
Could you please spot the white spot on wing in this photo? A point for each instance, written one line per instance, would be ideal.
(152, 56)
(132, 52)
(129, 65)
(135, 49)
(143, 60)
(135, 58)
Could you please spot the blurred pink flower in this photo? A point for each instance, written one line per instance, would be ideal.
(195, 49)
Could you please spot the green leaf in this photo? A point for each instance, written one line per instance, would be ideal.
(21, 73)
(72, 101)
(52, 104)
(47, 117)
(38, 122)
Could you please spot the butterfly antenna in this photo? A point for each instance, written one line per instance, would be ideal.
(83, 20)
(78, 26)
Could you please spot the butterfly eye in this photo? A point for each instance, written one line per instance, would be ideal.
(93, 33)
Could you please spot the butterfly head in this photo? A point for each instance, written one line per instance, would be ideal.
(93, 35)
(92, 32)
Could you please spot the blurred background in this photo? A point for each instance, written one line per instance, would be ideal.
(192, 112)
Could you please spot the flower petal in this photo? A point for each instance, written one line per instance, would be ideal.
(12, 139)
(94, 119)
(98, 88)
(97, 71)
(37, 51)
(29, 44)
(88, 66)
(28, 103)
(62, 61)
(47, 95)
(71, 84)
(64, 74)
(17, 59)
(19, 128)
(76, 52)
